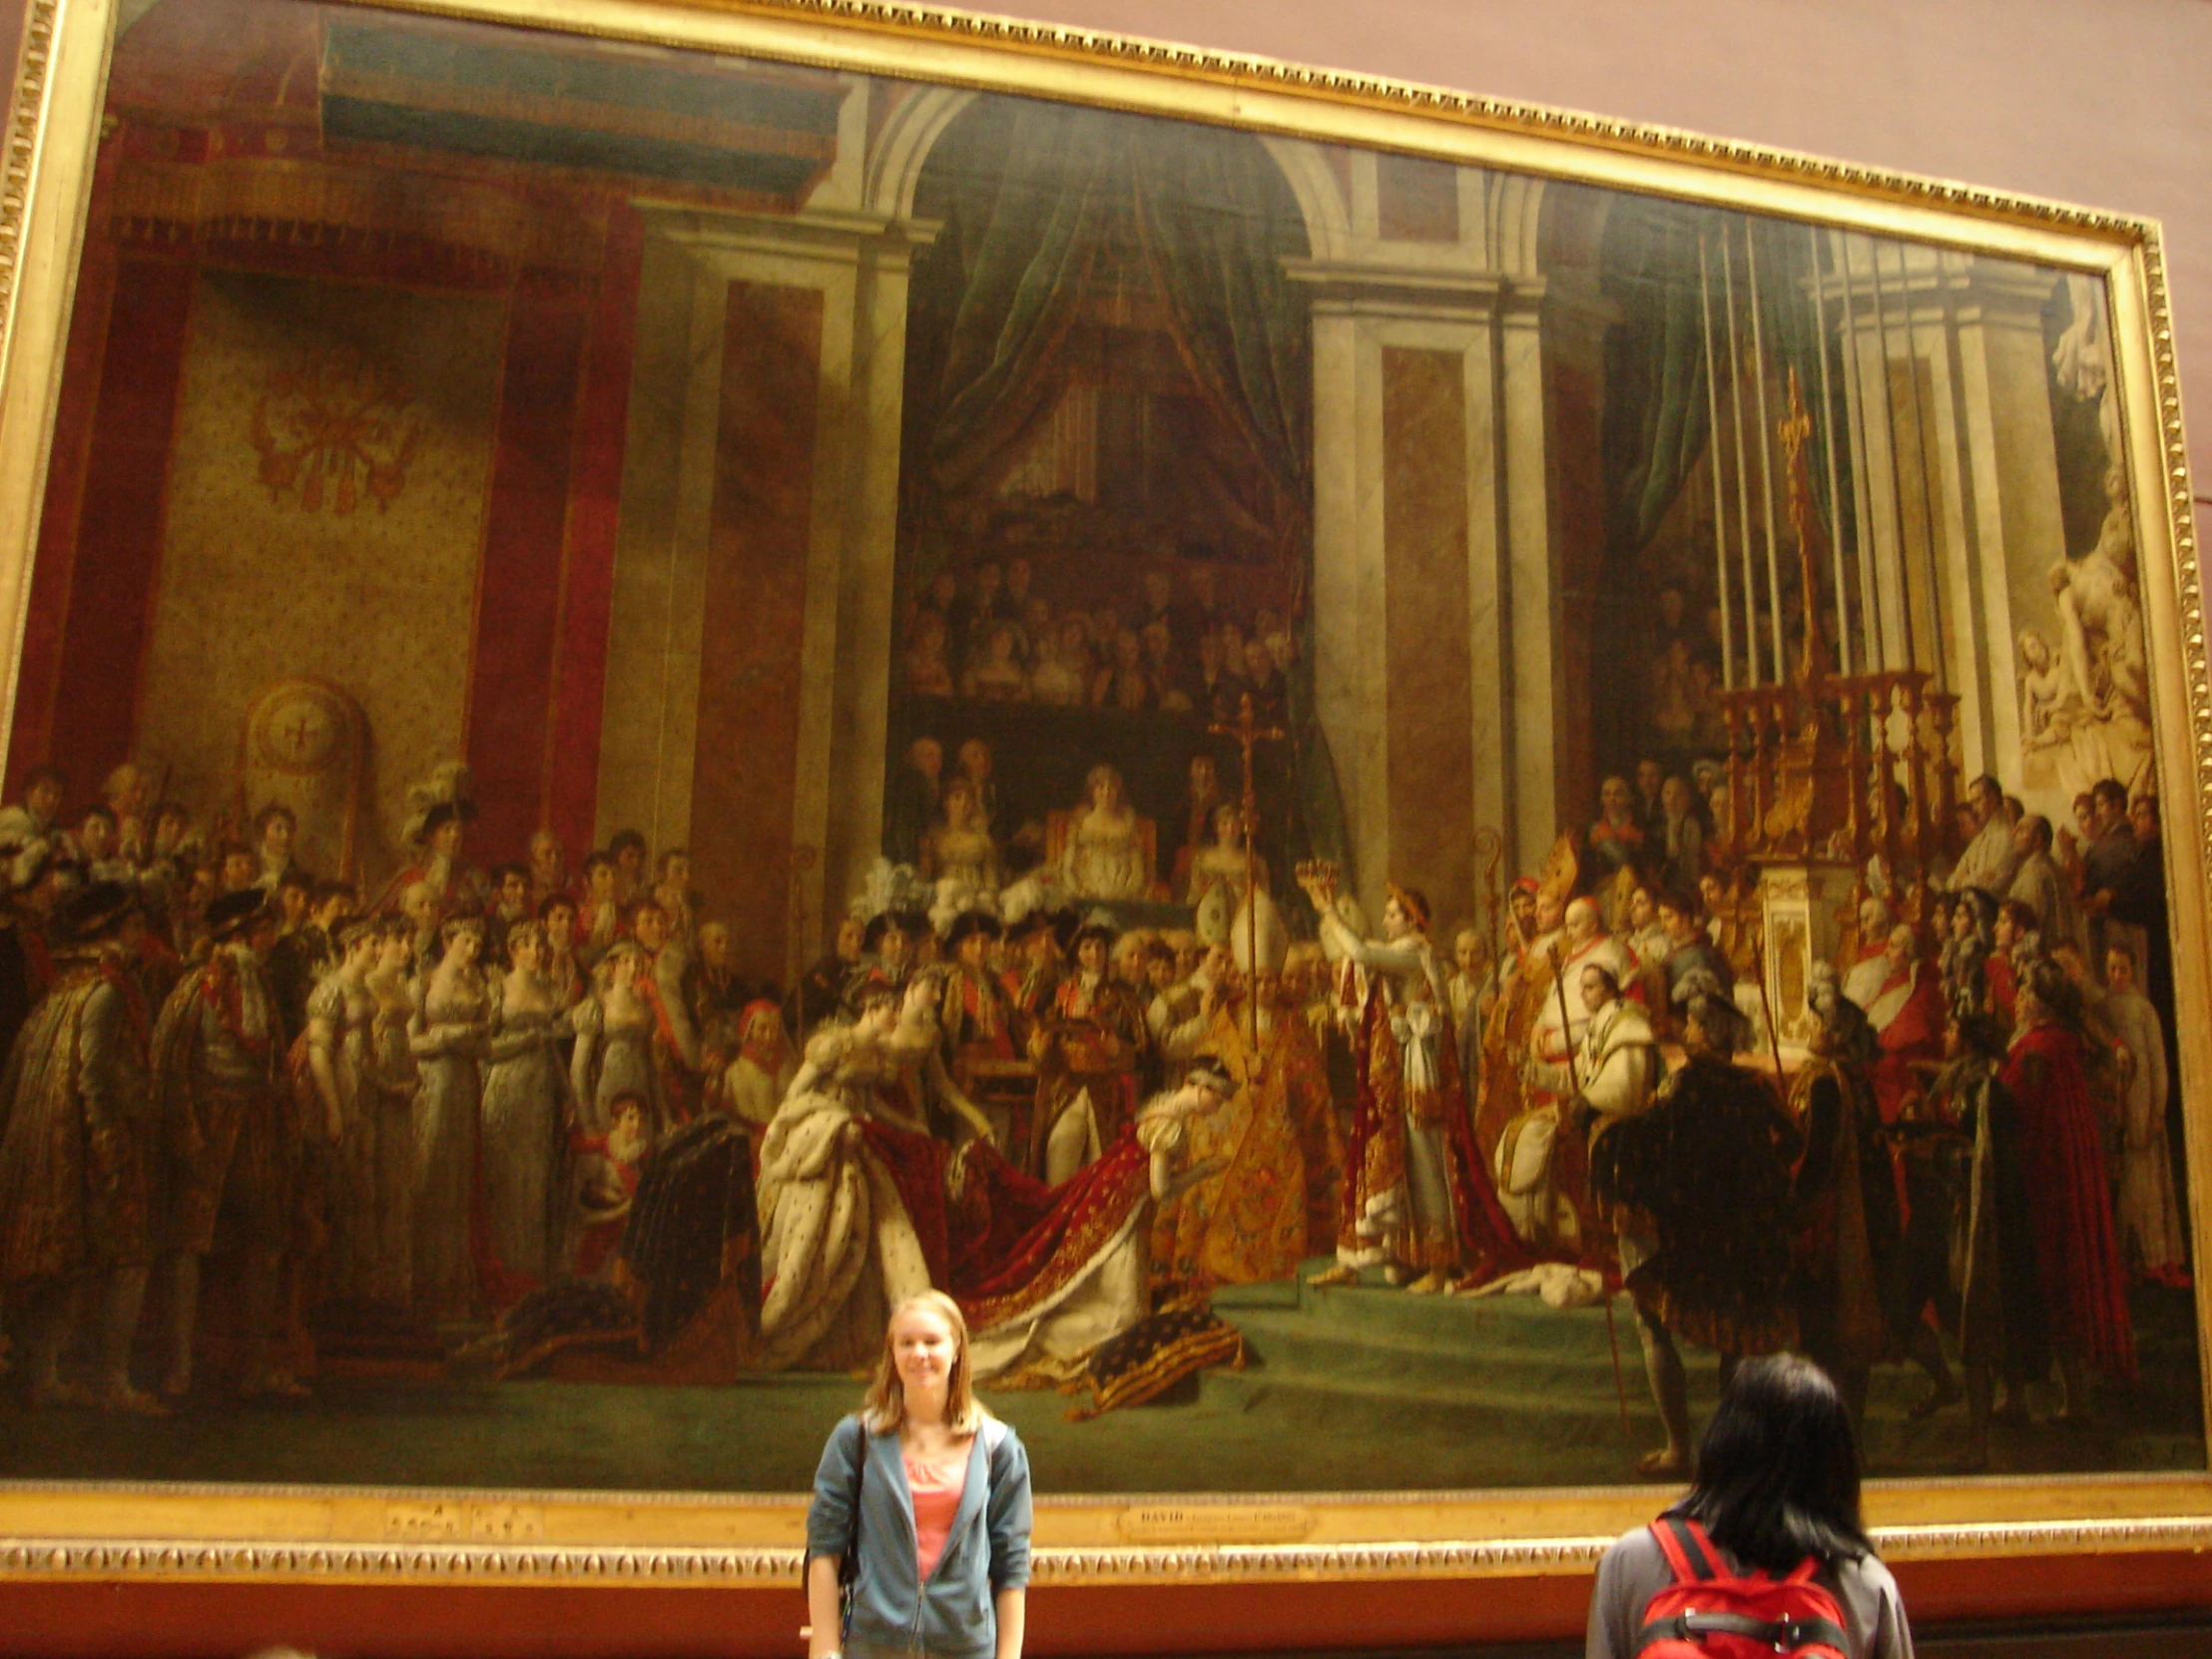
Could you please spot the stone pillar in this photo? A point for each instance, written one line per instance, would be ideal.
(1977, 439)
(1436, 674)
(798, 780)
(2009, 464)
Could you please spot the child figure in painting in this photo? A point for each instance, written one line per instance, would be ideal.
(606, 1183)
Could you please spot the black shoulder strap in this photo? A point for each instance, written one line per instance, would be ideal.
(849, 1565)
(1690, 1542)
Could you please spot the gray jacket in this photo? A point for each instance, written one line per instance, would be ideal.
(987, 1551)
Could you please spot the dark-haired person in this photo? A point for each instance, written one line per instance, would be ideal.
(2108, 852)
(1990, 859)
(303, 954)
(97, 848)
(1089, 1046)
(2014, 939)
(549, 872)
(628, 850)
(217, 1053)
(561, 970)
(509, 908)
(680, 902)
(30, 822)
(820, 989)
(274, 830)
(2040, 883)
(1777, 1483)
(597, 910)
(2001, 1334)
(1849, 1259)
(1700, 1187)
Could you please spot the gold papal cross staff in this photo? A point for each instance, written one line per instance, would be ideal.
(1247, 733)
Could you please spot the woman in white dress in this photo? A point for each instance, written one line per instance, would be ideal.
(342, 1019)
(959, 858)
(2150, 1218)
(1222, 862)
(1104, 857)
(448, 1037)
(614, 1046)
(526, 1104)
(838, 1246)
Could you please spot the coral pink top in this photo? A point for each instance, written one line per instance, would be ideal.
(936, 1490)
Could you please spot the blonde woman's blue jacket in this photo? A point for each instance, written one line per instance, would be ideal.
(955, 1613)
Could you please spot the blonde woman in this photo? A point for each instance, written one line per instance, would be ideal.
(931, 1494)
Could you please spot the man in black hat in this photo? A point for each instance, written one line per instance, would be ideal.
(1698, 1192)
(75, 1196)
(821, 990)
(887, 948)
(978, 1017)
(218, 1057)
(1034, 963)
(460, 889)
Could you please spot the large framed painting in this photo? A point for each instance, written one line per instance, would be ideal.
(1389, 774)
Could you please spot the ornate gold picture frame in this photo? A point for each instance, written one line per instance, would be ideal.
(1449, 266)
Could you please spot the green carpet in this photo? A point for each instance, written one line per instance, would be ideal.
(1351, 1389)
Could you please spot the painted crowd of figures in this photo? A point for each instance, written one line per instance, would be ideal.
(986, 634)
(504, 1116)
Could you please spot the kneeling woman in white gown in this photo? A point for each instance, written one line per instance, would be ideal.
(838, 1244)
(1079, 1274)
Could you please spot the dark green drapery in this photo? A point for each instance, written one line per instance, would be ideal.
(1027, 262)
(1657, 427)
(1047, 198)
(1210, 216)
(1206, 214)
(1656, 424)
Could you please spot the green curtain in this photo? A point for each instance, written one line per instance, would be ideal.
(1043, 190)
(1212, 216)
(1657, 427)
(1029, 262)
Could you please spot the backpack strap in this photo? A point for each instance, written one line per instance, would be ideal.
(1688, 1550)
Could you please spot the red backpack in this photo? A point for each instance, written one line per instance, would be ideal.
(1711, 1611)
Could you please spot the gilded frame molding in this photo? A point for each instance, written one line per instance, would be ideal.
(62, 1531)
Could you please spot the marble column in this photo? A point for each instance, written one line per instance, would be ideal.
(850, 270)
(1952, 442)
(1437, 669)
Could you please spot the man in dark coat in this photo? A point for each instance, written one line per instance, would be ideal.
(1700, 1190)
